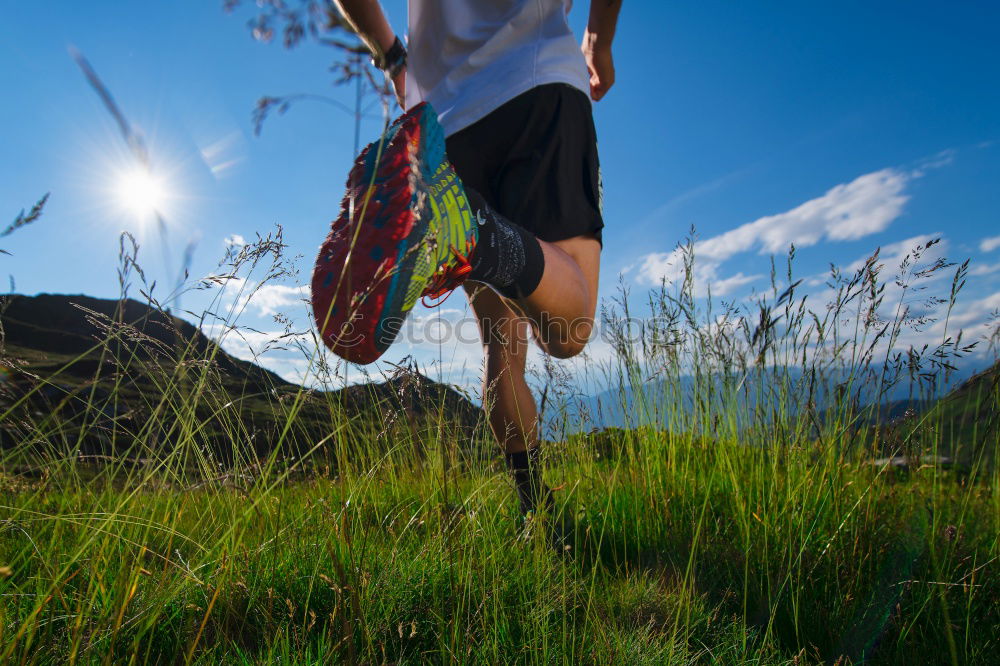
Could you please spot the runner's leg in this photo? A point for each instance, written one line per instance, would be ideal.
(507, 399)
(508, 402)
(562, 308)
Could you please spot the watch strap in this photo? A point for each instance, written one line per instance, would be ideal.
(393, 60)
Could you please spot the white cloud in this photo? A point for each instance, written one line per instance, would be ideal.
(295, 369)
(658, 266)
(973, 316)
(268, 299)
(274, 350)
(250, 344)
(892, 255)
(670, 266)
(905, 290)
(235, 240)
(984, 269)
(221, 155)
(866, 205)
(942, 159)
(271, 298)
(816, 280)
(724, 286)
(989, 244)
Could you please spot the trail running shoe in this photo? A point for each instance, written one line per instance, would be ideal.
(405, 231)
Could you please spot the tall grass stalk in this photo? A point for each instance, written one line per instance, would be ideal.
(738, 518)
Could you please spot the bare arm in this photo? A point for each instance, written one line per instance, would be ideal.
(369, 21)
(597, 45)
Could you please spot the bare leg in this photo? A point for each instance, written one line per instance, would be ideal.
(562, 307)
(510, 407)
(567, 294)
(568, 286)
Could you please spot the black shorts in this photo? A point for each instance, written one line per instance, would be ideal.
(534, 160)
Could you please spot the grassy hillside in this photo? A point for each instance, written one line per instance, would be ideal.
(748, 525)
(103, 377)
(671, 549)
(969, 416)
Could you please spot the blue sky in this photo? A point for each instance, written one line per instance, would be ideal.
(840, 127)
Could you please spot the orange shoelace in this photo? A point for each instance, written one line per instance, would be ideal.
(444, 281)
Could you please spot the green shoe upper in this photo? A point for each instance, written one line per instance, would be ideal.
(451, 234)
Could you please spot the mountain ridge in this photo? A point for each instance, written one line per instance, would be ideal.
(66, 354)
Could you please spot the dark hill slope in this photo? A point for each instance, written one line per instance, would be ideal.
(969, 417)
(58, 326)
(103, 376)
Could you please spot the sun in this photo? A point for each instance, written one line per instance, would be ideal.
(141, 192)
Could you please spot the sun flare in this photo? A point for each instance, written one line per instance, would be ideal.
(141, 192)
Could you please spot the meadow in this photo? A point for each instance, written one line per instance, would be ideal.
(738, 517)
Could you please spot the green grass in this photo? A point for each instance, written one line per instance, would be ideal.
(718, 530)
(691, 551)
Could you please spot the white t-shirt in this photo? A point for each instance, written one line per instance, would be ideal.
(468, 57)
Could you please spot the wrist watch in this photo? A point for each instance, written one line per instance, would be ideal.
(392, 61)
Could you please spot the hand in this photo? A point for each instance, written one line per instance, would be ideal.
(399, 87)
(600, 64)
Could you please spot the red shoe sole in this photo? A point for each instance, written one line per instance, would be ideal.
(365, 264)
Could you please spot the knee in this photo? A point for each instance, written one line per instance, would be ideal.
(566, 340)
(564, 349)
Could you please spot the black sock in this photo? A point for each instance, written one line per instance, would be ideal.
(527, 472)
(507, 257)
